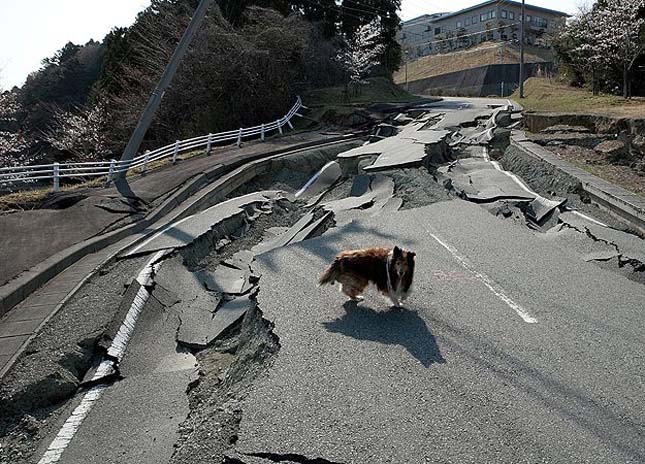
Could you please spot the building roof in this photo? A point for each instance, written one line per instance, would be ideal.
(424, 17)
(512, 2)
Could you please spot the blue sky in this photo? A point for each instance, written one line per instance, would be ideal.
(31, 30)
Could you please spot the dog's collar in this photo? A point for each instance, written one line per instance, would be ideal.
(387, 271)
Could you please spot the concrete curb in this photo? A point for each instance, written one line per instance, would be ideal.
(16, 290)
(624, 205)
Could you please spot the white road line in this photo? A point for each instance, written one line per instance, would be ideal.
(312, 180)
(487, 281)
(485, 153)
(517, 180)
(588, 218)
(117, 350)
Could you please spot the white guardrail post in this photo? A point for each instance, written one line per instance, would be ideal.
(208, 145)
(239, 138)
(56, 187)
(290, 125)
(279, 126)
(262, 133)
(175, 152)
(145, 162)
(111, 171)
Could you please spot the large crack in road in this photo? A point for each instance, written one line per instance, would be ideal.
(228, 329)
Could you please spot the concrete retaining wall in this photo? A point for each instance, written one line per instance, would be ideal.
(496, 79)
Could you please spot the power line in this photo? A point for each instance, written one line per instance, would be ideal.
(466, 35)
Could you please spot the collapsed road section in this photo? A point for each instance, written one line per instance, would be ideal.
(236, 356)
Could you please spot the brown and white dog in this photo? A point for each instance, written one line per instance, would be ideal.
(391, 270)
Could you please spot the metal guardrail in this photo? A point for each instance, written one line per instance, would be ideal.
(57, 171)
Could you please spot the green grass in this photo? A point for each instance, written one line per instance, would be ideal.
(542, 94)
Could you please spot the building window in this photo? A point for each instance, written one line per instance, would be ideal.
(467, 22)
(437, 30)
(458, 24)
(511, 15)
(504, 14)
(486, 16)
(403, 36)
(428, 28)
(474, 19)
(528, 18)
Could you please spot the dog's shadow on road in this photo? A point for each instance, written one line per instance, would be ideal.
(396, 326)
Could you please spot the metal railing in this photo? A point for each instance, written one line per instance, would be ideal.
(58, 171)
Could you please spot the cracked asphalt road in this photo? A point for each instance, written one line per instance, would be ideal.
(455, 376)
(515, 346)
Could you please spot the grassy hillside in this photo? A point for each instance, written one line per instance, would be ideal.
(544, 94)
(377, 89)
(481, 55)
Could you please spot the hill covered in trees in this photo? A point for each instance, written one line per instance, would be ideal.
(245, 66)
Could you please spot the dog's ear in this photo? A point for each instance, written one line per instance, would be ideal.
(412, 254)
(396, 251)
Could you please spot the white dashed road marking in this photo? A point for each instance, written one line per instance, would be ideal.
(487, 281)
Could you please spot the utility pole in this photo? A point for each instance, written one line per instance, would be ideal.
(166, 78)
(522, 28)
(407, 84)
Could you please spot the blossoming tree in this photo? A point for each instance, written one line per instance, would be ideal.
(361, 52)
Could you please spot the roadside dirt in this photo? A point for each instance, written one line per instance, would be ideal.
(624, 176)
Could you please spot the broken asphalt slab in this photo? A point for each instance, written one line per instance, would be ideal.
(320, 182)
(227, 217)
(285, 238)
(477, 180)
(411, 147)
(205, 313)
(375, 192)
(200, 326)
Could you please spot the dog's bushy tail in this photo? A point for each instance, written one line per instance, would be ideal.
(330, 274)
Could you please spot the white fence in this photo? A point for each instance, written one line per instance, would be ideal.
(57, 171)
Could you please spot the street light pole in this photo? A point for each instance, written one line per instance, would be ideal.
(166, 78)
(522, 28)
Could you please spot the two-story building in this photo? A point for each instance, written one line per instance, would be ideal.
(487, 21)
(417, 35)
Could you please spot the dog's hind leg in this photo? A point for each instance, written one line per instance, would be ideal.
(352, 292)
